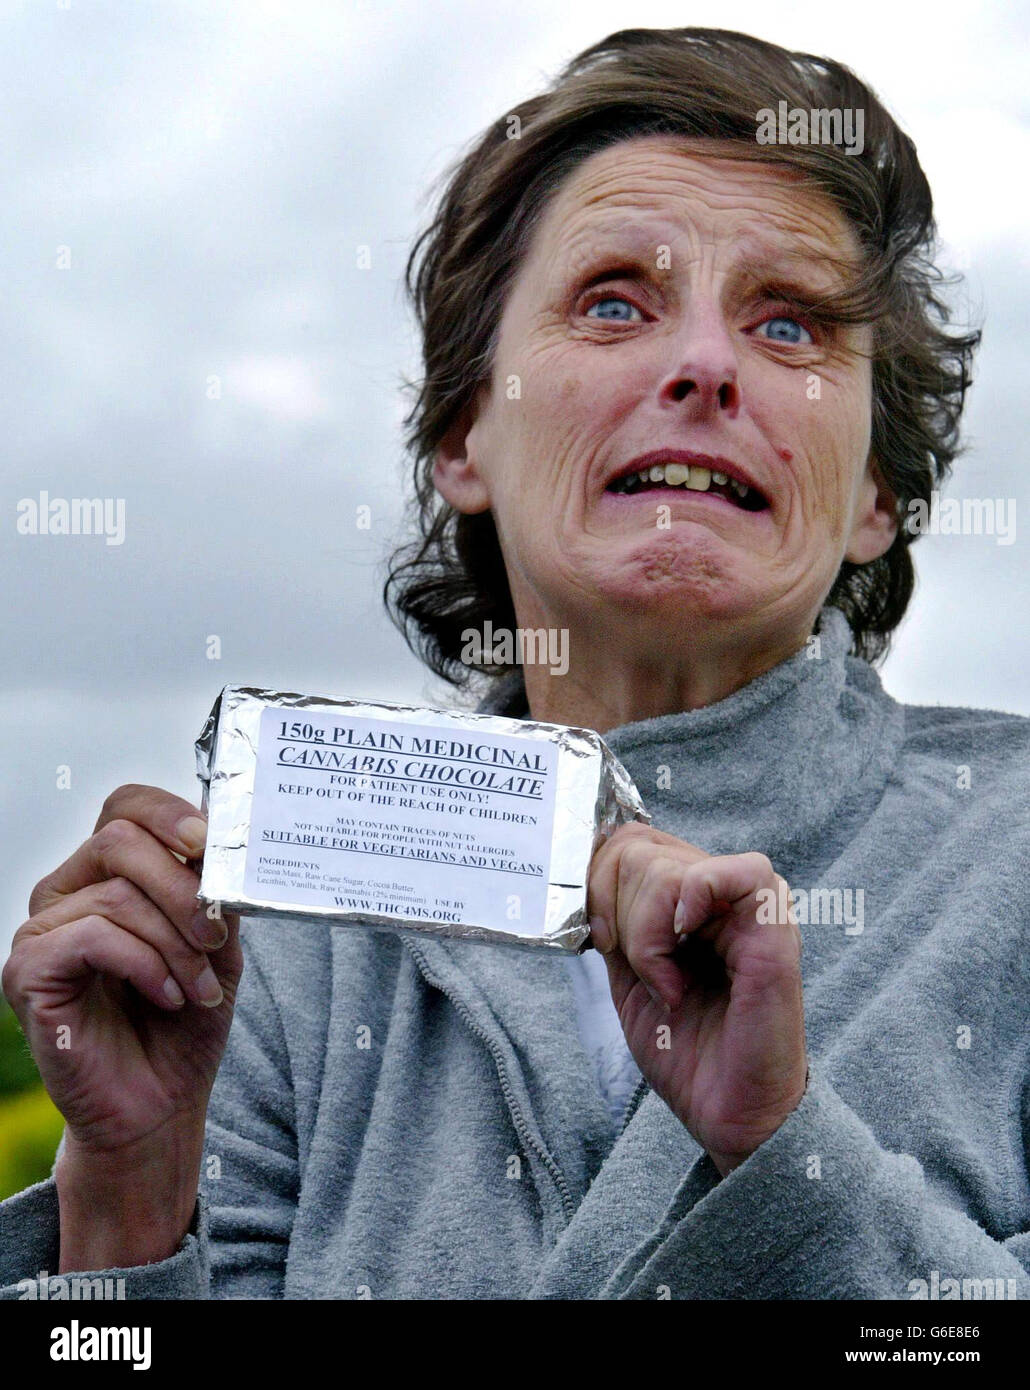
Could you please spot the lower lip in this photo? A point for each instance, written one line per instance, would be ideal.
(678, 497)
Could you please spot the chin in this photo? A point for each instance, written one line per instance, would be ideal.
(707, 579)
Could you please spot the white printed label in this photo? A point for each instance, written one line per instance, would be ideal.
(431, 823)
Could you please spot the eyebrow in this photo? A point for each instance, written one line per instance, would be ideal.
(793, 263)
(789, 264)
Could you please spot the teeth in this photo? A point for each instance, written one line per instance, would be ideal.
(680, 475)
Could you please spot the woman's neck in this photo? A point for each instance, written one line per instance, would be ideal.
(603, 689)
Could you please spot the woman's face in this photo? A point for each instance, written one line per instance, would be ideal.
(645, 320)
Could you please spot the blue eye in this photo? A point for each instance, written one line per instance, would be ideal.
(786, 330)
(609, 302)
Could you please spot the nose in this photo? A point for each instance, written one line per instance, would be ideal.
(704, 382)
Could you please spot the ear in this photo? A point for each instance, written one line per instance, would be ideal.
(456, 475)
(875, 521)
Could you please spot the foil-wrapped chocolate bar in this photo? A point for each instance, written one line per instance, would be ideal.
(405, 816)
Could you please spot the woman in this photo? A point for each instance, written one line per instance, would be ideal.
(680, 389)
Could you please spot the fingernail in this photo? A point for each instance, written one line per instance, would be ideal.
(173, 992)
(211, 932)
(208, 988)
(679, 921)
(192, 833)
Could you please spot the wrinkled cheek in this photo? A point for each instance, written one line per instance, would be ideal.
(528, 522)
(824, 500)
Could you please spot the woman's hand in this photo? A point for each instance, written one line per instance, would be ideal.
(683, 929)
(124, 988)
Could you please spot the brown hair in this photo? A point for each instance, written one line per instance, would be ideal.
(699, 83)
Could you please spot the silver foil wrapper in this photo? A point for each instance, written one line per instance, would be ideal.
(405, 817)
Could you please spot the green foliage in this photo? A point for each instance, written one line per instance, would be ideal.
(17, 1069)
(30, 1131)
(30, 1124)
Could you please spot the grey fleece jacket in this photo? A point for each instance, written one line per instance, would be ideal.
(466, 1152)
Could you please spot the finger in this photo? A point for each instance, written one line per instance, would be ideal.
(71, 955)
(622, 980)
(647, 906)
(174, 821)
(615, 871)
(712, 901)
(752, 926)
(119, 901)
(733, 885)
(123, 849)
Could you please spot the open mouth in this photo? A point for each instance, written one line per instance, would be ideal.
(681, 476)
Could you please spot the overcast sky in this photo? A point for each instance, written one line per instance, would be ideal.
(211, 170)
